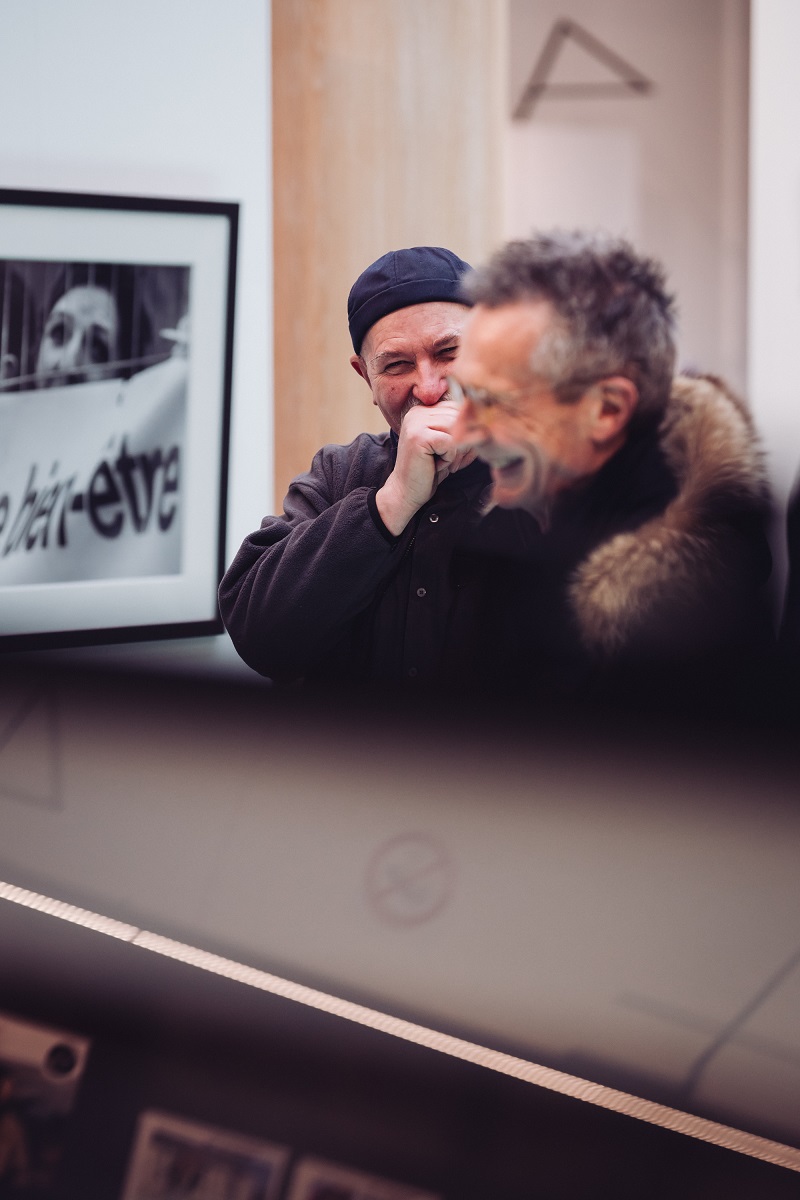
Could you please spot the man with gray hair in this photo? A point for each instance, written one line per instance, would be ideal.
(646, 492)
(617, 515)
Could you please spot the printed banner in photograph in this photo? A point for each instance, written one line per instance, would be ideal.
(90, 478)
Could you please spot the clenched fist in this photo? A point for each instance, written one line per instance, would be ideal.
(426, 454)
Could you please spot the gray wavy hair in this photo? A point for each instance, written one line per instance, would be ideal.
(613, 313)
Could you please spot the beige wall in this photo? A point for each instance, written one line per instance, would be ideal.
(667, 169)
(388, 118)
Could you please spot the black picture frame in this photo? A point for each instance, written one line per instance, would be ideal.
(173, 1154)
(116, 359)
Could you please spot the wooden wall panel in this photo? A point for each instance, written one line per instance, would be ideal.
(388, 131)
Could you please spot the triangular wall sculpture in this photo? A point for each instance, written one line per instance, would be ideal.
(627, 80)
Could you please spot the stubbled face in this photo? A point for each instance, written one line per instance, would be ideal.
(534, 445)
(407, 355)
(80, 337)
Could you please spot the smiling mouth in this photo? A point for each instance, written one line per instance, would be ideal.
(508, 470)
(517, 479)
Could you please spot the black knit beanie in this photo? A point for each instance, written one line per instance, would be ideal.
(400, 278)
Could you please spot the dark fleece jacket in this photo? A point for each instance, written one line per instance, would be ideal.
(662, 557)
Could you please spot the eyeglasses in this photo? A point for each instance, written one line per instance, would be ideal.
(484, 401)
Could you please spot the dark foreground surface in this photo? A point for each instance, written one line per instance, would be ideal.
(168, 1036)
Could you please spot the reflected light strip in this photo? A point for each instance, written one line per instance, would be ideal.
(495, 1060)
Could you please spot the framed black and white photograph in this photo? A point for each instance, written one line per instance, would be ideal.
(116, 336)
(316, 1179)
(40, 1072)
(174, 1157)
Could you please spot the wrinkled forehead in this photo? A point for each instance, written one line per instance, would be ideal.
(499, 344)
(416, 328)
(88, 305)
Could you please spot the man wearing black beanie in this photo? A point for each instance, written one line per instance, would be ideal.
(367, 574)
(409, 301)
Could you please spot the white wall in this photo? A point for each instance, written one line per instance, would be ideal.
(774, 299)
(161, 98)
(666, 169)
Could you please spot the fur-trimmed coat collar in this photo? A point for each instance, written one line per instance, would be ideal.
(691, 569)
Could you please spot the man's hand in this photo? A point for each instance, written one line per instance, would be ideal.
(426, 454)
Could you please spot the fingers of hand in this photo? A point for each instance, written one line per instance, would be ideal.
(443, 469)
(427, 453)
(441, 416)
(429, 441)
(450, 463)
(464, 459)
